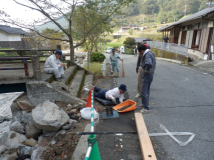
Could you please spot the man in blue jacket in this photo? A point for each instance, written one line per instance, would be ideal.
(148, 64)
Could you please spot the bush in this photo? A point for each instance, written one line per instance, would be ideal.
(97, 57)
(3, 54)
(129, 42)
(115, 47)
(129, 51)
(107, 40)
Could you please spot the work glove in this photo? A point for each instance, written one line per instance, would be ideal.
(114, 100)
(137, 70)
(147, 71)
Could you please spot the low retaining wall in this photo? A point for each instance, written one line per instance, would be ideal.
(170, 55)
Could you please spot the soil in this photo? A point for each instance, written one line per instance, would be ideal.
(125, 107)
(65, 144)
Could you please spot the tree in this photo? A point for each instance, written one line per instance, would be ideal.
(203, 5)
(66, 9)
(130, 31)
(129, 42)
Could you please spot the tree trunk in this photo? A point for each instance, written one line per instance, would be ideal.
(96, 48)
(72, 51)
(88, 61)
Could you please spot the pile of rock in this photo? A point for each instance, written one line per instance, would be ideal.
(25, 130)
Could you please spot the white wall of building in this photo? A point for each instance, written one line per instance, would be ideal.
(3, 37)
(14, 37)
(9, 37)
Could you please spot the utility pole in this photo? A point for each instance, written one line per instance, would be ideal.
(154, 18)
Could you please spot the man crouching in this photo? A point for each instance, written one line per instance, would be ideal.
(55, 66)
(112, 94)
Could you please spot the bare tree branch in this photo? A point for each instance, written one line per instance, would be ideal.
(47, 15)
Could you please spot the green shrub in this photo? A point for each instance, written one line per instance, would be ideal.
(107, 40)
(129, 51)
(115, 47)
(3, 54)
(97, 57)
(129, 42)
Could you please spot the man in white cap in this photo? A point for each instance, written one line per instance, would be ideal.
(55, 66)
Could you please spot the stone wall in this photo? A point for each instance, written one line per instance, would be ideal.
(170, 55)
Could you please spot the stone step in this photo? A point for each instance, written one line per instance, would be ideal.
(89, 81)
(69, 74)
(77, 83)
(87, 84)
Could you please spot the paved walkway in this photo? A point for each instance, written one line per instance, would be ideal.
(181, 100)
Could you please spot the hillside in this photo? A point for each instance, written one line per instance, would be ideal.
(158, 11)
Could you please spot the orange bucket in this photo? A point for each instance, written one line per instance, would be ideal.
(126, 103)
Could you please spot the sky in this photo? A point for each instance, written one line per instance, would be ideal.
(17, 11)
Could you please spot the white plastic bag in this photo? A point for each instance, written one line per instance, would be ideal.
(86, 113)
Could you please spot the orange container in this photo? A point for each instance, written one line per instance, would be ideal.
(126, 103)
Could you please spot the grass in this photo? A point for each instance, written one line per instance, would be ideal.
(112, 44)
(3, 54)
(94, 68)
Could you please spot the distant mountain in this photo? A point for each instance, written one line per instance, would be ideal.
(159, 10)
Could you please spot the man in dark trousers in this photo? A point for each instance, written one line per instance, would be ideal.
(148, 63)
(166, 39)
(139, 72)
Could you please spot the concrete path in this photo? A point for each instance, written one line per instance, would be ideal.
(181, 100)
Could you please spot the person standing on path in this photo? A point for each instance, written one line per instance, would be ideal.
(139, 72)
(55, 66)
(114, 62)
(148, 63)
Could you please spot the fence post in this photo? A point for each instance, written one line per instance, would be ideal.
(35, 64)
(58, 47)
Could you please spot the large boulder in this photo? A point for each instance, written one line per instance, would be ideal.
(49, 117)
(14, 139)
(6, 101)
(32, 131)
(41, 91)
(17, 127)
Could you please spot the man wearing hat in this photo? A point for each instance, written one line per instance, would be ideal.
(112, 94)
(55, 66)
(114, 62)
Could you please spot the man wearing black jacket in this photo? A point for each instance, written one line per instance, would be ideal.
(148, 65)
